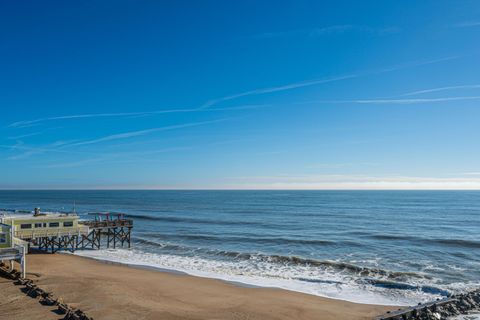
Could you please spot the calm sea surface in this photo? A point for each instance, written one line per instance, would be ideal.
(389, 247)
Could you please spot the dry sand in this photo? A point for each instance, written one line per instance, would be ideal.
(112, 291)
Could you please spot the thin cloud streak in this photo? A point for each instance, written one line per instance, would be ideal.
(209, 104)
(415, 64)
(395, 101)
(62, 145)
(245, 107)
(25, 135)
(28, 123)
(30, 151)
(308, 83)
(348, 182)
(467, 86)
(126, 157)
(344, 178)
(25, 123)
(131, 134)
(340, 165)
(413, 101)
(134, 157)
(276, 89)
(467, 24)
(212, 102)
(329, 30)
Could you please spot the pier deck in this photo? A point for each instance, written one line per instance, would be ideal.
(117, 232)
(116, 229)
(54, 232)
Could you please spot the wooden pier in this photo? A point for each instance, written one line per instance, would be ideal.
(115, 227)
(52, 232)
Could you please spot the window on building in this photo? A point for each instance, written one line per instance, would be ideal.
(3, 238)
(54, 224)
(68, 224)
(38, 225)
(26, 226)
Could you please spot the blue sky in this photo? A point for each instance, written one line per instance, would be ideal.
(246, 94)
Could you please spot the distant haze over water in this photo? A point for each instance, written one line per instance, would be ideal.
(387, 247)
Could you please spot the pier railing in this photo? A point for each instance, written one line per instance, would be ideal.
(105, 224)
(115, 228)
(109, 229)
(59, 232)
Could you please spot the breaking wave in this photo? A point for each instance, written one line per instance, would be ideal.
(332, 279)
(336, 279)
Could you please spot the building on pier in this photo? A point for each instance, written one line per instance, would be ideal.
(30, 227)
(53, 232)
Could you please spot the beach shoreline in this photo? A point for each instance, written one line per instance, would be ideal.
(111, 290)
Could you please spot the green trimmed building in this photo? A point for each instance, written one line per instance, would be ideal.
(44, 225)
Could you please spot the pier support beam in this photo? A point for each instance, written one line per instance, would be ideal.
(117, 232)
(119, 235)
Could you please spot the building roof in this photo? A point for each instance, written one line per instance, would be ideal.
(43, 216)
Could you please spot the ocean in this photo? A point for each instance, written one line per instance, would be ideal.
(383, 247)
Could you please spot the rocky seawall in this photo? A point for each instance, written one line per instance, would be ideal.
(445, 309)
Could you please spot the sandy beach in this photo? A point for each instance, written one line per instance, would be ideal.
(112, 291)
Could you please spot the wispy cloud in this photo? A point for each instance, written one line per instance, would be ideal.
(472, 173)
(328, 30)
(313, 82)
(468, 24)
(26, 154)
(111, 158)
(439, 89)
(413, 101)
(64, 146)
(353, 182)
(413, 64)
(28, 123)
(25, 123)
(395, 101)
(137, 133)
(25, 135)
(244, 107)
(315, 182)
(276, 89)
(125, 157)
(340, 165)
(209, 104)
(27, 151)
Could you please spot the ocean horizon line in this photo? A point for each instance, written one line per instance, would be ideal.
(226, 189)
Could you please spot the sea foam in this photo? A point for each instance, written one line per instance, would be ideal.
(258, 272)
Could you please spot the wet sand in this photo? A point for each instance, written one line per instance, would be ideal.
(112, 291)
